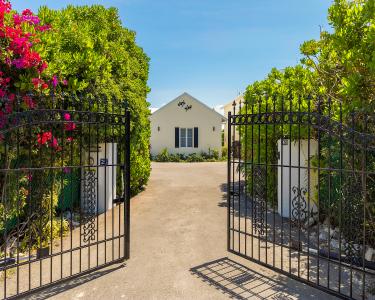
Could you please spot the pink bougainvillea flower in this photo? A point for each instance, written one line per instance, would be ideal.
(54, 143)
(67, 117)
(44, 137)
(55, 81)
(67, 170)
(42, 67)
(29, 177)
(8, 108)
(70, 126)
(28, 101)
(36, 82)
(69, 139)
(65, 82)
(11, 97)
(44, 86)
(43, 28)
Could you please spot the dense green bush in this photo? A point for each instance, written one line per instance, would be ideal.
(338, 73)
(98, 56)
(286, 90)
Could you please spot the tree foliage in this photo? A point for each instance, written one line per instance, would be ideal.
(336, 79)
(99, 57)
(344, 58)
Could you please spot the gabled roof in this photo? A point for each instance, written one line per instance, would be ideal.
(187, 97)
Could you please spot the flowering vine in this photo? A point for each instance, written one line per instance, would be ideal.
(22, 68)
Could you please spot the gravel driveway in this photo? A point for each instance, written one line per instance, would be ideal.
(178, 247)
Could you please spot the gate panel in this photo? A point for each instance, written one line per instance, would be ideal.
(301, 192)
(65, 190)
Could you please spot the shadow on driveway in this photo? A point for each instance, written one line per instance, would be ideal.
(70, 284)
(240, 282)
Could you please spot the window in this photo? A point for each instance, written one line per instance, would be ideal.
(186, 137)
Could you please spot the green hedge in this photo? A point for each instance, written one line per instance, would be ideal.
(165, 156)
(89, 47)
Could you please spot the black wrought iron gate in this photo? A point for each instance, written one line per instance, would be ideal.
(64, 191)
(301, 192)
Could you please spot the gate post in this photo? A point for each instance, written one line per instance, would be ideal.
(127, 186)
(229, 153)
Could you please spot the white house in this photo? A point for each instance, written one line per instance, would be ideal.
(186, 125)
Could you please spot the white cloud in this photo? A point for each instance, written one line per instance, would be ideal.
(219, 108)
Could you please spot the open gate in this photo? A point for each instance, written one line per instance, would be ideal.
(301, 195)
(64, 191)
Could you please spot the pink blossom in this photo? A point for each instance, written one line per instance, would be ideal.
(42, 67)
(28, 101)
(44, 137)
(54, 143)
(67, 116)
(55, 81)
(11, 97)
(29, 177)
(70, 126)
(43, 28)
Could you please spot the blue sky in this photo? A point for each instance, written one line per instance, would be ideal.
(212, 49)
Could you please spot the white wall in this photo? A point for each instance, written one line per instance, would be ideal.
(103, 167)
(289, 166)
(171, 116)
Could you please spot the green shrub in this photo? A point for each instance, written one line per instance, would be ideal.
(175, 158)
(163, 156)
(193, 157)
(224, 151)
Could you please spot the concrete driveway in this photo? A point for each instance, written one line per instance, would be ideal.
(178, 247)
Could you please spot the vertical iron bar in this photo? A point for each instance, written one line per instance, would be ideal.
(252, 179)
(329, 191)
(98, 168)
(127, 183)
(105, 179)
(229, 139)
(266, 179)
(308, 183)
(259, 166)
(246, 175)
(364, 191)
(290, 182)
(82, 178)
(353, 170)
(274, 181)
(318, 223)
(233, 168)
(299, 185)
(340, 218)
(239, 180)
(282, 180)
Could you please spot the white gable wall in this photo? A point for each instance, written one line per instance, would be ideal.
(171, 116)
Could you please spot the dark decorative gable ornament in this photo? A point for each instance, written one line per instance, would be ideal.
(182, 104)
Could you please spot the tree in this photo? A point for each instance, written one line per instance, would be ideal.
(344, 58)
(100, 58)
